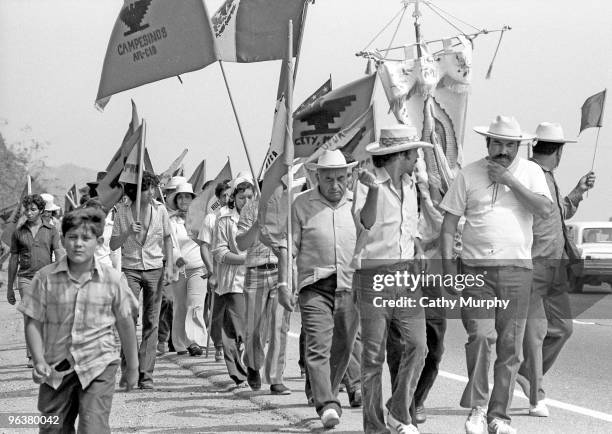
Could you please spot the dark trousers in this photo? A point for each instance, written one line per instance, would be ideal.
(166, 316)
(92, 405)
(435, 328)
(398, 331)
(549, 326)
(218, 313)
(150, 281)
(233, 308)
(352, 377)
(330, 321)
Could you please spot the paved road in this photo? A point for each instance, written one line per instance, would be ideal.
(195, 395)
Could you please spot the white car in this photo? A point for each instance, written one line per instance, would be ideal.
(594, 241)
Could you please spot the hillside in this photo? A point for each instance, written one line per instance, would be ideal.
(57, 180)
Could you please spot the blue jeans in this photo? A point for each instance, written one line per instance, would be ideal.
(150, 281)
(503, 328)
(410, 349)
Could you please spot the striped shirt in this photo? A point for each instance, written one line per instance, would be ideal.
(35, 252)
(78, 317)
(258, 253)
(148, 254)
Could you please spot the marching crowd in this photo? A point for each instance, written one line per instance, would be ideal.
(80, 279)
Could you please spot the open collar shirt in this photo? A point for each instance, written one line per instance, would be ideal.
(323, 238)
(391, 239)
(498, 227)
(148, 254)
(35, 252)
(78, 317)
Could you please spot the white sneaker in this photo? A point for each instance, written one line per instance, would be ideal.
(476, 422)
(396, 427)
(330, 418)
(539, 410)
(498, 426)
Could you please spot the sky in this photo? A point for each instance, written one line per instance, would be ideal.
(51, 53)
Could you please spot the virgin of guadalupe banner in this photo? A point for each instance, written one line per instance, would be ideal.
(431, 93)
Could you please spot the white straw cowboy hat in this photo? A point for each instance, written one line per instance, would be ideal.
(49, 202)
(174, 182)
(396, 139)
(505, 128)
(551, 132)
(182, 188)
(331, 160)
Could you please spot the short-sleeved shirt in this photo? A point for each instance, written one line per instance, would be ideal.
(496, 232)
(78, 317)
(258, 253)
(230, 277)
(147, 255)
(35, 252)
(391, 239)
(324, 238)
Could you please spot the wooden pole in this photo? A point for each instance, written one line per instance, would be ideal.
(29, 181)
(246, 149)
(296, 64)
(141, 152)
(288, 155)
(595, 152)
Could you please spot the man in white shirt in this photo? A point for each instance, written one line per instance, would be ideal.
(498, 195)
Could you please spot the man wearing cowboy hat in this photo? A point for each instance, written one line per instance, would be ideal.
(324, 242)
(386, 215)
(549, 323)
(498, 195)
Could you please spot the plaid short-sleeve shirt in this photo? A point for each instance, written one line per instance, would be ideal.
(78, 317)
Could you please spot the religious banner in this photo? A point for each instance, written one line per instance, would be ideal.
(431, 93)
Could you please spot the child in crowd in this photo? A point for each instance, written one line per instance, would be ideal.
(70, 310)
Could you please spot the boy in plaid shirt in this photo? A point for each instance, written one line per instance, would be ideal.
(70, 310)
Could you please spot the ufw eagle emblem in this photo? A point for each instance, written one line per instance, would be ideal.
(133, 14)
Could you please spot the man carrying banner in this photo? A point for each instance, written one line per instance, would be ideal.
(386, 216)
(324, 242)
(498, 195)
(266, 318)
(145, 246)
(549, 324)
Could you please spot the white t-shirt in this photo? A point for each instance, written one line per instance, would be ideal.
(496, 232)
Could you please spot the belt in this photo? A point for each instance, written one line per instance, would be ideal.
(268, 266)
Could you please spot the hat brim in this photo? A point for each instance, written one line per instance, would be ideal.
(53, 208)
(560, 141)
(315, 166)
(484, 131)
(376, 149)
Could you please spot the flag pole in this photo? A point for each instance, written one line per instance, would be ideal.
(246, 149)
(29, 181)
(595, 152)
(141, 151)
(288, 155)
(296, 64)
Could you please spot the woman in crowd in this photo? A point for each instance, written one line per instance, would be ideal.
(188, 328)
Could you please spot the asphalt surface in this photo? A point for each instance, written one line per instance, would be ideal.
(194, 394)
